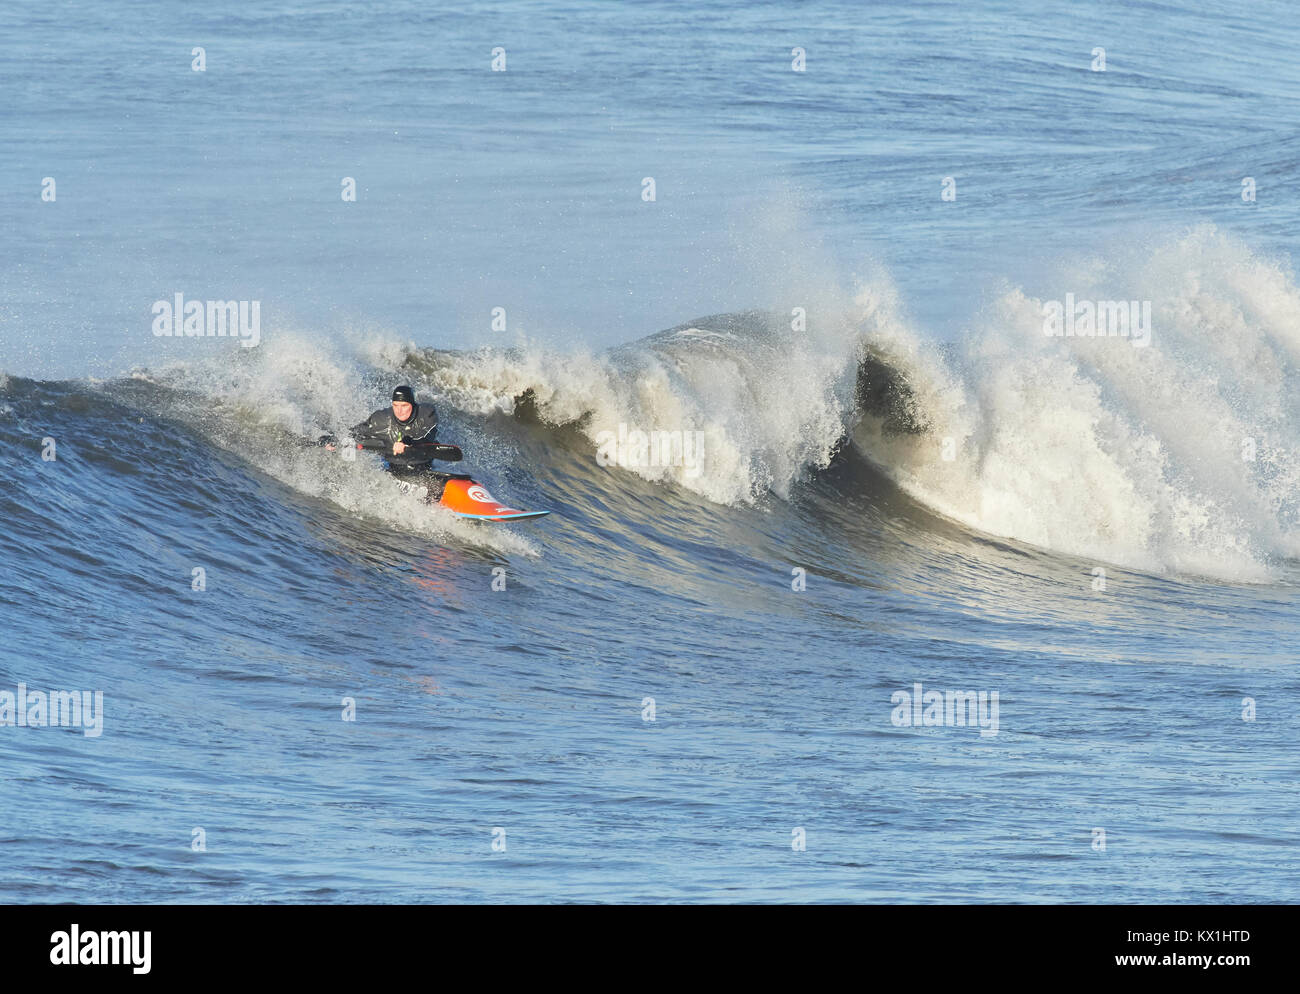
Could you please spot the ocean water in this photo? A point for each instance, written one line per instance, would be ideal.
(871, 469)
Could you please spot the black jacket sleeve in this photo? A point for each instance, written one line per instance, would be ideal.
(372, 427)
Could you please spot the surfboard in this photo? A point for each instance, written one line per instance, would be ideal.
(470, 499)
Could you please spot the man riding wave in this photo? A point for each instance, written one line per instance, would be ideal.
(406, 434)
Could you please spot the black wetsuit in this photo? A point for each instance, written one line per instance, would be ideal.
(382, 426)
(420, 427)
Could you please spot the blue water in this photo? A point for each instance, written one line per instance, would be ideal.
(1107, 536)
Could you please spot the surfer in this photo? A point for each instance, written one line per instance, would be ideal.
(406, 434)
(406, 437)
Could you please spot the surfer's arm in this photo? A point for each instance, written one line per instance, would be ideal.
(365, 429)
(366, 433)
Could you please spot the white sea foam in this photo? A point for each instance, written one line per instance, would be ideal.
(1086, 446)
(1134, 456)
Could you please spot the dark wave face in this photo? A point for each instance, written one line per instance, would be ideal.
(230, 588)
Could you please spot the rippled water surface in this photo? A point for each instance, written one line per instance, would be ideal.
(683, 684)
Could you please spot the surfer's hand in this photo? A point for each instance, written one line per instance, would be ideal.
(399, 448)
(328, 447)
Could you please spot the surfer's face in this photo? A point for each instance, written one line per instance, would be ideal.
(401, 410)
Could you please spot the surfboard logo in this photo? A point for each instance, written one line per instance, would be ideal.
(479, 494)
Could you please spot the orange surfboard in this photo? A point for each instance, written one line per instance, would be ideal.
(469, 499)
